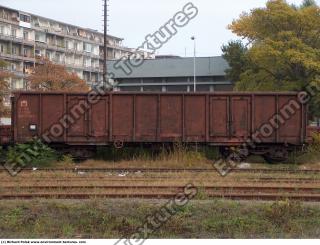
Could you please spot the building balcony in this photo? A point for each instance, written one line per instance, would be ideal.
(16, 39)
(63, 49)
(17, 73)
(13, 21)
(92, 69)
(74, 66)
(18, 57)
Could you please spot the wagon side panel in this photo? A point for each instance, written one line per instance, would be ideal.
(27, 114)
(146, 118)
(52, 112)
(290, 110)
(265, 118)
(219, 119)
(99, 121)
(122, 118)
(171, 118)
(78, 114)
(195, 118)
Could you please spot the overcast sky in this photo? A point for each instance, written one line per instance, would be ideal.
(134, 19)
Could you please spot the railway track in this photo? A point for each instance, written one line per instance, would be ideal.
(150, 180)
(233, 196)
(164, 183)
(170, 170)
(166, 187)
(305, 193)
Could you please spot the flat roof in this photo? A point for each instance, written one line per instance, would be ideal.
(174, 67)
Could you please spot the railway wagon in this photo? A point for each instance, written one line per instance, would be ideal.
(5, 135)
(268, 124)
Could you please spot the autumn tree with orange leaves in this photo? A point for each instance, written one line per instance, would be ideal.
(47, 76)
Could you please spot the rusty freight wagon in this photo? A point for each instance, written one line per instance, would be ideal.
(5, 135)
(268, 124)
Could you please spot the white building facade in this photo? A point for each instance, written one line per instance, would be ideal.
(24, 37)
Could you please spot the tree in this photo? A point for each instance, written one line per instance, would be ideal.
(284, 53)
(4, 86)
(235, 54)
(308, 3)
(47, 76)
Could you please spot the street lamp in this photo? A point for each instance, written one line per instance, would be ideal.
(193, 38)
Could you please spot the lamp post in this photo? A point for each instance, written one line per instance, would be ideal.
(193, 38)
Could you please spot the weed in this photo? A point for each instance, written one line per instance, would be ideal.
(311, 155)
(202, 194)
(176, 155)
(282, 212)
(121, 218)
(67, 230)
(38, 154)
(67, 159)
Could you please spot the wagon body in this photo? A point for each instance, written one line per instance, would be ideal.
(210, 118)
(5, 135)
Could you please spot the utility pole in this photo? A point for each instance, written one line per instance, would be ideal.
(105, 47)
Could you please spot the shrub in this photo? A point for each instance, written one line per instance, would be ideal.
(34, 153)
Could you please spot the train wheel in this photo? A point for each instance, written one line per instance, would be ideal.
(276, 155)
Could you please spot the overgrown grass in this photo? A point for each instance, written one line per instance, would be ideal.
(311, 155)
(122, 218)
(178, 155)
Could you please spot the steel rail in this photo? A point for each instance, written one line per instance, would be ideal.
(172, 170)
(235, 196)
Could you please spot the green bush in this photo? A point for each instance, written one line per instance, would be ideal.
(34, 153)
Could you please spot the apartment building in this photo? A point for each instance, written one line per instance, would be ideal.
(25, 36)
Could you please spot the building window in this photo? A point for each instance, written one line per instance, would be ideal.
(14, 50)
(60, 43)
(26, 35)
(87, 62)
(49, 55)
(13, 67)
(40, 37)
(87, 47)
(25, 18)
(2, 30)
(13, 32)
(58, 57)
(1, 48)
(38, 52)
(25, 52)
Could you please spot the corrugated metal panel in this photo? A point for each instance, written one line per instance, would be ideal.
(173, 67)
